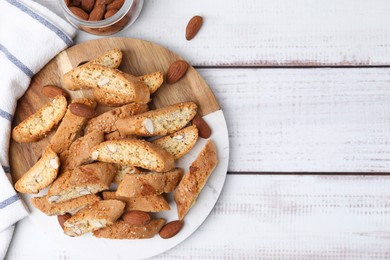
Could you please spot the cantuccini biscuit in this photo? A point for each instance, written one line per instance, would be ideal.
(150, 203)
(70, 128)
(123, 230)
(161, 121)
(93, 217)
(41, 175)
(83, 180)
(150, 183)
(69, 206)
(106, 122)
(193, 182)
(134, 152)
(39, 124)
(180, 142)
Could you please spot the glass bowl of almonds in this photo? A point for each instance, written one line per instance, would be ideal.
(101, 17)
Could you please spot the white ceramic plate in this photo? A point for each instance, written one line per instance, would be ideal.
(96, 248)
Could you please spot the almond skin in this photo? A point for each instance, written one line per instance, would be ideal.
(176, 71)
(51, 91)
(87, 5)
(193, 27)
(136, 217)
(82, 110)
(203, 127)
(110, 13)
(63, 218)
(170, 229)
(75, 3)
(80, 13)
(116, 4)
(97, 13)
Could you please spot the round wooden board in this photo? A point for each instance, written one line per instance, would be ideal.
(139, 58)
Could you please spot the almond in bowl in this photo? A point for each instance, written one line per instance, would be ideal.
(101, 17)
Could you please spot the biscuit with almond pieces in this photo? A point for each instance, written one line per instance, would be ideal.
(193, 182)
(70, 128)
(124, 230)
(83, 180)
(149, 203)
(106, 121)
(111, 59)
(161, 121)
(39, 124)
(134, 152)
(41, 175)
(149, 183)
(180, 142)
(98, 215)
(80, 150)
(153, 80)
(69, 206)
(107, 80)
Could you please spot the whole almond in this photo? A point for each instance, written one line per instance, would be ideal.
(82, 110)
(52, 91)
(87, 5)
(116, 4)
(80, 13)
(136, 217)
(170, 229)
(110, 13)
(203, 127)
(176, 71)
(75, 2)
(193, 27)
(104, 2)
(97, 13)
(63, 218)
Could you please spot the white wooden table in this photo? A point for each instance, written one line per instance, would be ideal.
(305, 88)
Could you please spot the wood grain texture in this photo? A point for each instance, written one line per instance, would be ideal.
(305, 120)
(273, 217)
(139, 58)
(267, 33)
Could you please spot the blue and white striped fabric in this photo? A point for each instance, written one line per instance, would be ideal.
(30, 36)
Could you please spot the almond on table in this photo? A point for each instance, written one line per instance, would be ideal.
(203, 127)
(52, 91)
(176, 71)
(193, 27)
(171, 229)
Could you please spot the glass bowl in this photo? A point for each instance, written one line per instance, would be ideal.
(121, 20)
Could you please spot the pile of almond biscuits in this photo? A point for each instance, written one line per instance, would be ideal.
(129, 145)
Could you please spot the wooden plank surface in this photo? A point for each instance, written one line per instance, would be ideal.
(274, 217)
(305, 120)
(267, 33)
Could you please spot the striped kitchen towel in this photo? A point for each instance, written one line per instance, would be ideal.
(30, 36)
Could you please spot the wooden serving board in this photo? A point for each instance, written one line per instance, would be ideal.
(139, 58)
